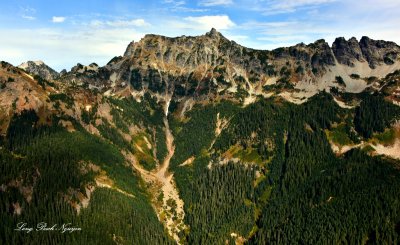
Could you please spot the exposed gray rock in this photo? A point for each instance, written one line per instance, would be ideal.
(347, 52)
(78, 68)
(39, 68)
(63, 72)
(322, 55)
(379, 52)
(130, 49)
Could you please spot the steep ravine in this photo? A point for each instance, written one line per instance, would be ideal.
(161, 183)
(172, 204)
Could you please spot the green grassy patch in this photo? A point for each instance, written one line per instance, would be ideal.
(368, 148)
(248, 155)
(143, 152)
(339, 135)
(387, 137)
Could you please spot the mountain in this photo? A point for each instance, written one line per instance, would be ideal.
(39, 68)
(199, 140)
(212, 66)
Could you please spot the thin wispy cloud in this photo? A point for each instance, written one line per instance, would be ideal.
(220, 22)
(181, 7)
(117, 23)
(209, 3)
(263, 25)
(283, 39)
(274, 7)
(127, 23)
(58, 19)
(28, 17)
(28, 13)
(174, 2)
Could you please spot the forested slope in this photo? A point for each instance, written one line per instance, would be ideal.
(286, 177)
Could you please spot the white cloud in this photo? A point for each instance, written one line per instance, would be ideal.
(209, 3)
(126, 23)
(220, 22)
(58, 19)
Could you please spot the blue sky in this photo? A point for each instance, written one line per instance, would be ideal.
(63, 33)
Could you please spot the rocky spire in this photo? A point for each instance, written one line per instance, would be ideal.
(129, 50)
(347, 52)
(213, 33)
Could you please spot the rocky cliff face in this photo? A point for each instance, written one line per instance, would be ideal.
(374, 52)
(347, 52)
(378, 52)
(92, 76)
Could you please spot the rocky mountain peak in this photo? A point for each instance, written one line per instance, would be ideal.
(129, 49)
(320, 42)
(79, 68)
(39, 68)
(347, 52)
(377, 52)
(213, 33)
(63, 72)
